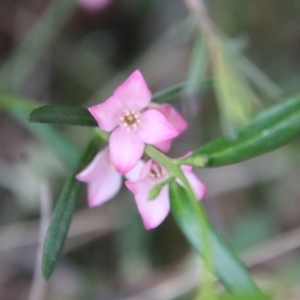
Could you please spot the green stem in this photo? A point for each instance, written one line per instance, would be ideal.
(172, 167)
(175, 171)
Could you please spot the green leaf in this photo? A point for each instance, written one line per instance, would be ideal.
(189, 216)
(63, 212)
(20, 108)
(155, 191)
(63, 114)
(268, 131)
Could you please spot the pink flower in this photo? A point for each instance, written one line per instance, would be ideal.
(174, 118)
(93, 5)
(153, 212)
(126, 114)
(103, 180)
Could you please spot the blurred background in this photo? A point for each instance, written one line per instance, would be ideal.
(63, 52)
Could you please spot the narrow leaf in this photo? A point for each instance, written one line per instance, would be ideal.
(63, 212)
(62, 114)
(189, 216)
(268, 131)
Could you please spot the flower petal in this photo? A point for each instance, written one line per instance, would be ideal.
(107, 113)
(134, 92)
(164, 146)
(102, 190)
(126, 148)
(133, 185)
(135, 172)
(198, 187)
(172, 116)
(103, 181)
(154, 128)
(152, 212)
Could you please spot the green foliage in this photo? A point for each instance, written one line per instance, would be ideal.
(62, 114)
(64, 211)
(155, 191)
(268, 131)
(189, 217)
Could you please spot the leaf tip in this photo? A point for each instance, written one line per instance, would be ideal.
(46, 270)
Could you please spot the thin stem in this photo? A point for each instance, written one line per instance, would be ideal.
(175, 171)
(172, 167)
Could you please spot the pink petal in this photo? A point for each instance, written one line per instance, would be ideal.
(133, 186)
(134, 92)
(126, 148)
(172, 116)
(107, 113)
(135, 172)
(198, 187)
(186, 168)
(164, 146)
(103, 181)
(152, 212)
(154, 128)
(93, 5)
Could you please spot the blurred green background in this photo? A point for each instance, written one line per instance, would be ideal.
(59, 52)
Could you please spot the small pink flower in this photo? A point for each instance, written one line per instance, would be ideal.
(153, 212)
(174, 118)
(126, 114)
(103, 180)
(93, 5)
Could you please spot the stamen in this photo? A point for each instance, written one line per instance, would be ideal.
(130, 119)
(157, 171)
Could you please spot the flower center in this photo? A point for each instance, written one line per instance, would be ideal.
(130, 119)
(157, 171)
